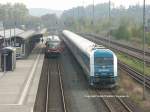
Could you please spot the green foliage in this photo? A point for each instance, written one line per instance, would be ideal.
(122, 33)
(134, 63)
(17, 14)
(49, 20)
(101, 12)
(137, 32)
(148, 38)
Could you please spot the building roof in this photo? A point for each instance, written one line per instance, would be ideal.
(10, 32)
(25, 35)
(42, 31)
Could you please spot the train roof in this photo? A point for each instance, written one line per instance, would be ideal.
(53, 38)
(85, 45)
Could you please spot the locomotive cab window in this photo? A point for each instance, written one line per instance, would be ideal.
(103, 61)
(53, 44)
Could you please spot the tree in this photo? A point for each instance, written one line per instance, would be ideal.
(122, 33)
(50, 20)
(16, 14)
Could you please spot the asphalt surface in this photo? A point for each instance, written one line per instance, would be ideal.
(18, 88)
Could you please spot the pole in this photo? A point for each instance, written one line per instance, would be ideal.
(4, 34)
(83, 9)
(78, 12)
(4, 46)
(93, 12)
(4, 63)
(78, 20)
(109, 24)
(15, 34)
(10, 37)
(74, 13)
(14, 17)
(143, 49)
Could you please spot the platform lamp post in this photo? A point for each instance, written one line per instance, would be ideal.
(4, 46)
(10, 36)
(144, 50)
(4, 34)
(14, 17)
(15, 34)
(10, 28)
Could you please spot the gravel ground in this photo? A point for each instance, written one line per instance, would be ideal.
(55, 98)
(128, 86)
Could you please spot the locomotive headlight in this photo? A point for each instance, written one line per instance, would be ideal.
(103, 67)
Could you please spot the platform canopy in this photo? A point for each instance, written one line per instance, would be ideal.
(10, 33)
(27, 34)
(41, 32)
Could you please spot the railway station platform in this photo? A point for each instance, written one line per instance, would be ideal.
(18, 88)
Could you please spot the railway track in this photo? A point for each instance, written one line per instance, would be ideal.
(55, 99)
(134, 74)
(133, 52)
(121, 45)
(113, 102)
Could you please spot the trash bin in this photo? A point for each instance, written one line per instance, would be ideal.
(8, 59)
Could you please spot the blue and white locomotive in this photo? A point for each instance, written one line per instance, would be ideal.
(98, 62)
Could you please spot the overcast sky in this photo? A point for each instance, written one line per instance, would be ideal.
(67, 4)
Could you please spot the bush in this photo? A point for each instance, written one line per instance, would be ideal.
(121, 33)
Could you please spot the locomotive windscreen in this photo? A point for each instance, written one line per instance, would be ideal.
(53, 44)
(103, 61)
